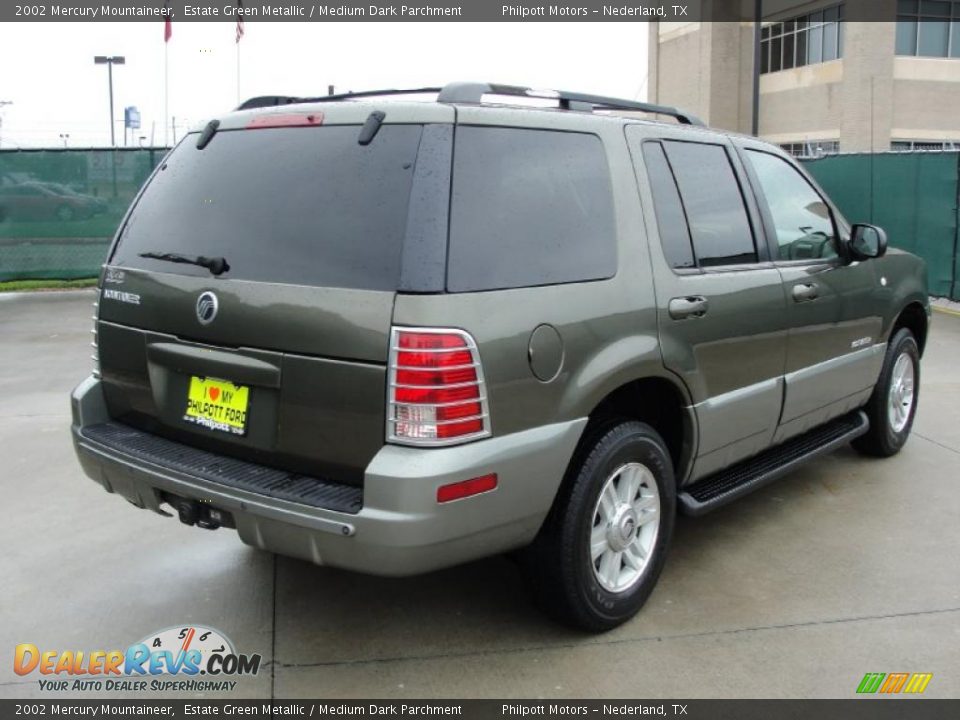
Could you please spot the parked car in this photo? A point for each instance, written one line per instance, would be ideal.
(35, 200)
(394, 336)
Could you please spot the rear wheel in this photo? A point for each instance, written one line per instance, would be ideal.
(893, 404)
(603, 546)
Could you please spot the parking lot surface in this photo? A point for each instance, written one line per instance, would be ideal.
(847, 566)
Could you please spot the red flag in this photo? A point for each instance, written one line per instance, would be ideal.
(239, 20)
(167, 22)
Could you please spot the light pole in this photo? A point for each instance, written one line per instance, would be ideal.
(757, 45)
(110, 61)
(2, 103)
(65, 137)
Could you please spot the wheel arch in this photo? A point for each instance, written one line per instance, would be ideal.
(913, 317)
(651, 395)
(663, 404)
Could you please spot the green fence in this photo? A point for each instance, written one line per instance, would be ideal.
(59, 209)
(913, 196)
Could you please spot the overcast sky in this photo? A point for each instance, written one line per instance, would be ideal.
(48, 70)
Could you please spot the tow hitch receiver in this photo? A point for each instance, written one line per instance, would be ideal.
(199, 513)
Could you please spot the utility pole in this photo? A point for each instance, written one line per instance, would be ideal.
(757, 30)
(110, 61)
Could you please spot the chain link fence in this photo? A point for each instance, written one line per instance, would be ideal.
(59, 209)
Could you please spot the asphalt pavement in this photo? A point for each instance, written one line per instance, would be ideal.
(847, 566)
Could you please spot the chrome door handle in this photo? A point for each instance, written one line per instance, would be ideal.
(688, 307)
(805, 292)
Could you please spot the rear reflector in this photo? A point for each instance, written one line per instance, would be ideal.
(436, 388)
(272, 120)
(460, 490)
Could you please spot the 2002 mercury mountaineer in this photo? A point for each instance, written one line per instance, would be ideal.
(395, 335)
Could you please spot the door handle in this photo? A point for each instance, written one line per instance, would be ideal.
(688, 307)
(804, 292)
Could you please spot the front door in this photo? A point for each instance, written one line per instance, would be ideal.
(834, 351)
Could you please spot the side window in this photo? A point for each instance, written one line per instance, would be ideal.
(718, 221)
(674, 235)
(802, 221)
(529, 207)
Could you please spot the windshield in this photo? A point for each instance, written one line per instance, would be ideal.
(305, 206)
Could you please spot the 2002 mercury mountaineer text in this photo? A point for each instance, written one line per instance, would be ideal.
(393, 335)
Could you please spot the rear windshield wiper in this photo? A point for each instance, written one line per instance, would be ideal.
(216, 265)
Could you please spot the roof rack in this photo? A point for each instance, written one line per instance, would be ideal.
(271, 100)
(473, 92)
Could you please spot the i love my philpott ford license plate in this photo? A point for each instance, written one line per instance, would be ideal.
(218, 405)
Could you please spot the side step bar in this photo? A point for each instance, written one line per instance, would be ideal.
(746, 476)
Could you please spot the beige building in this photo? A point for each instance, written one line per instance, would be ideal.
(830, 78)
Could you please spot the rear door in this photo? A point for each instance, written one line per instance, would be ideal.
(720, 300)
(292, 339)
(833, 348)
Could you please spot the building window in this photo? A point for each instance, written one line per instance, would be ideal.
(924, 145)
(928, 28)
(806, 40)
(815, 149)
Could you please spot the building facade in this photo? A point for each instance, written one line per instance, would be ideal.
(832, 78)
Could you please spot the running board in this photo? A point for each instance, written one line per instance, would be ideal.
(746, 476)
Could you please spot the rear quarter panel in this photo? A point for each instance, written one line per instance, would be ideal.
(608, 327)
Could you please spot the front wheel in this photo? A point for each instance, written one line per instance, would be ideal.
(601, 550)
(893, 404)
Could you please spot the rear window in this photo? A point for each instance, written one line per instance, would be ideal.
(529, 207)
(305, 206)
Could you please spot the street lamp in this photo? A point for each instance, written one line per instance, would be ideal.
(110, 61)
(65, 137)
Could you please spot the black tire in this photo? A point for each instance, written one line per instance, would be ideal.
(559, 563)
(884, 439)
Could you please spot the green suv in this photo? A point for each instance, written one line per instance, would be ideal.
(395, 335)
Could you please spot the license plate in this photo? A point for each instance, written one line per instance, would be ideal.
(218, 405)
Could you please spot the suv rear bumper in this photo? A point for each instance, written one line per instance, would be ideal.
(400, 530)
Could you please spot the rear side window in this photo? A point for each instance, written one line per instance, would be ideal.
(306, 206)
(529, 207)
(674, 235)
(711, 197)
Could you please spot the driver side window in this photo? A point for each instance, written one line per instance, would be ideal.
(802, 220)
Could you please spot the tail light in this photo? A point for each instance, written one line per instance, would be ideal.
(436, 393)
(466, 488)
(96, 350)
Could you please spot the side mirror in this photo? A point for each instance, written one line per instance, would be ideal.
(867, 241)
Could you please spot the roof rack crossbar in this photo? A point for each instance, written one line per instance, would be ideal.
(473, 92)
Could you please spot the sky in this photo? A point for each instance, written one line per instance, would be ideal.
(49, 74)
